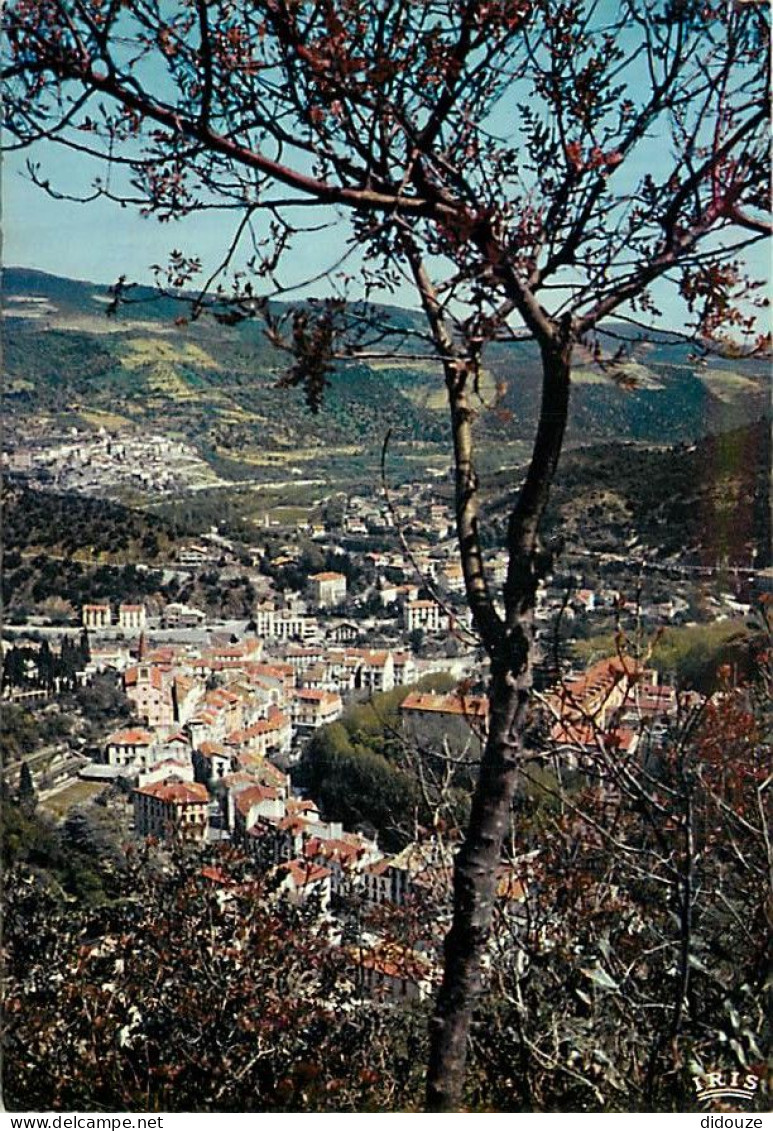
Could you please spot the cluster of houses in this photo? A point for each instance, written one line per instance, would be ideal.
(91, 462)
(611, 707)
(207, 760)
(304, 857)
(203, 764)
(223, 706)
(219, 723)
(228, 704)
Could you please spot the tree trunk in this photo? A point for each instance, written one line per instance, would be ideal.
(477, 863)
(475, 882)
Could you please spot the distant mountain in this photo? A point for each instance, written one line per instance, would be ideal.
(213, 383)
(216, 384)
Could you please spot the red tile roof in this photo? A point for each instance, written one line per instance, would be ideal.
(469, 706)
(300, 806)
(292, 824)
(216, 875)
(577, 733)
(342, 851)
(315, 695)
(303, 874)
(237, 778)
(131, 677)
(134, 737)
(213, 749)
(176, 793)
(393, 961)
(380, 867)
(253, 795)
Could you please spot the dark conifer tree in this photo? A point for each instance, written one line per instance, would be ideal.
(27, 795)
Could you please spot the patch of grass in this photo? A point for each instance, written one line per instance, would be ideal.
(153, 351)
(430, 367)
(726, 385)
(60, 803)
(289, 516)
(588, 377)
(435, 398)
(99, 418)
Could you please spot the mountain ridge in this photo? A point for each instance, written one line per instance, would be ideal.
(217, 385)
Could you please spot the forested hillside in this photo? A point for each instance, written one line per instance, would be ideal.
(217, 384)
(708, 501)
(93, 529)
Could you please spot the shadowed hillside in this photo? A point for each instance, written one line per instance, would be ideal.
(708, 501)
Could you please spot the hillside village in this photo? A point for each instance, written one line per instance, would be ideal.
(220, 714)
(386, 660)
(193, 692)
(100, 462)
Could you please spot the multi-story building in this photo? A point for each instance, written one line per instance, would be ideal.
(277, 676)
(233, 654)
(171, 808)
(150, 695)
(375, 670)
(196, 555)
(271, 735)
(425, 615)
(390, 592)
(458, 721)
(178, 768)
(327, 589)
(131, 748)
(609, 705)
(385, 882)
(285, 624)
(404, 668)
(452, 576)
(345, 632)
(97, 616)
(474, 708)
(211, 762)
(302, 880)
(132, 618)
(312, 708)
(254, 803)
(176, 615)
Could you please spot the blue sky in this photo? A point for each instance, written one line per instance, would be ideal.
(100, 241)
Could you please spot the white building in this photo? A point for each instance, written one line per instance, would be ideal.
(176, 615)
(166, 808)
(97, 616)
(426, 615)
(133, 748)
(313, 708)
(131, 617)
(404, 668)
(375, 671)
(327, 589)
(285, 624)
